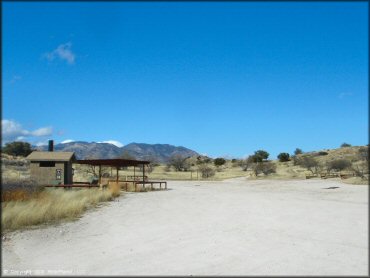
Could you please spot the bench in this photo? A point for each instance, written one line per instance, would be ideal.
(151, 184)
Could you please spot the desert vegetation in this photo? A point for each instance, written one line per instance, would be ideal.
(17, 148)
(25, 204)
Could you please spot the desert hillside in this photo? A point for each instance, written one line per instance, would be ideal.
(201, 167)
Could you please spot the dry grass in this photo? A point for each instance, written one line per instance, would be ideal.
(52, 206)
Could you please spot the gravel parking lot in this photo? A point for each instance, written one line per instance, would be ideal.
(232, 227)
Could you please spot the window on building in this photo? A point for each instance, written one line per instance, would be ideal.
(47, 164)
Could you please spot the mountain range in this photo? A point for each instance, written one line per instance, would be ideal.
(158, 152)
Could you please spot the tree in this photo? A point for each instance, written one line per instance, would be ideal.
(94, 170)
(283, 157)
(264, 167)
(219, 161)
(17, 148)
(247, 163)
(345, 145)
(206, 170)
(260, 155)
(298, 151)
(360, 169)
(310, 163)
(178, 162)
(339, 164)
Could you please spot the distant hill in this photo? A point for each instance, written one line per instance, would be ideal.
(83, 150)
(162, 152)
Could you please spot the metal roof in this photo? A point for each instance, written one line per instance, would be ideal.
(117, 162)
(51, 156)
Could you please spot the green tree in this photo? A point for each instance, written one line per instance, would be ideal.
(298, 151)
(17, 148)
(345, 145)
(260, 156)
(219, 161)
(283, 157)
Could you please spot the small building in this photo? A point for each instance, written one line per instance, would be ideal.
(51, 167)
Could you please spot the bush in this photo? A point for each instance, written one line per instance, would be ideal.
(219, 161)
(310, 164)
(268, 168)
(296, 160)
(179, 162)
(264, 167)
(203, 159)
(248, 162)
(298, 151)
(361, 169)
(17, 148)
(339, 164)
(363, 153)
(322, 153)
(283, 157)
(345, 145)
(206, 171)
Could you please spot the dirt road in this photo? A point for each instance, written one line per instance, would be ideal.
(234, 227)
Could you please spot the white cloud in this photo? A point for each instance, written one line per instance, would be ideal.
(67, 141)
(44, 131)
(113, 142)
(12, 130)
(63, 52)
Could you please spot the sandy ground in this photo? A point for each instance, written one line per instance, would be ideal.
(235, 227)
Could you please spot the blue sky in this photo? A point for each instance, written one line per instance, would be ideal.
(220, 78)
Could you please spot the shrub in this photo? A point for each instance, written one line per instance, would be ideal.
(219, 161)
(206, 171)
(363, 153)
(310, 164)
(345, 145)
(361, 169)
(339, 164)
(248, 162)
(283, 157)
(115, 189)
(178, 162)
(296, 160)
(268, 168)
(322, 153)
(298, 151)
(17, 148)
(264, 167)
